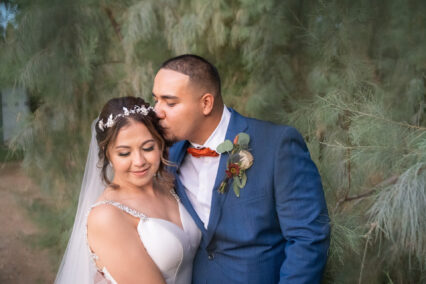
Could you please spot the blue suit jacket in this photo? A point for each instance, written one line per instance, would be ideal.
(277, 231)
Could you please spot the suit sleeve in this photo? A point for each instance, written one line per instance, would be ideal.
(302, 211)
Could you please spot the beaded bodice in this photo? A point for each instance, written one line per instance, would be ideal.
(171, 248)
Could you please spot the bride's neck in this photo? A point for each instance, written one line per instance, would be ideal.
(149, 189)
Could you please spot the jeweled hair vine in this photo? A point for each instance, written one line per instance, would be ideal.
(126, 112)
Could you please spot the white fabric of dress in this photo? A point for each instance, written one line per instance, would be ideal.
(171, 248)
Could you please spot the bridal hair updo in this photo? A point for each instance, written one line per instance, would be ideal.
(107, 133)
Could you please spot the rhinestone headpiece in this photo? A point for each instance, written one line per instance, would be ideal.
(126, 112)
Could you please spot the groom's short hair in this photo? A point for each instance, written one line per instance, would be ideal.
(200, 71)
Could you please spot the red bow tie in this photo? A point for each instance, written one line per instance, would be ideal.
(202, 152)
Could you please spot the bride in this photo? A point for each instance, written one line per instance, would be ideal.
(131, 228)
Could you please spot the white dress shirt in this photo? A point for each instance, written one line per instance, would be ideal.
(198, 175)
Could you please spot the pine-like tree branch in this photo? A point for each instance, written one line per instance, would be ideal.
(108, 63)
(367, 193)
(372, 147)
(114, 23)
(349, 171)
(404, 124)
(368, 236)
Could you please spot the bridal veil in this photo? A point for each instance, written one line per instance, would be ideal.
(77, 265)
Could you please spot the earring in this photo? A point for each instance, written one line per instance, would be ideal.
(110, 164)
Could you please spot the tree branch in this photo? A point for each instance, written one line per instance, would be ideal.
(367, 193)
(114, 23)
(344, 108)
(108, 63)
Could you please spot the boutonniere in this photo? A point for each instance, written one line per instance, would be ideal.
(240, 159)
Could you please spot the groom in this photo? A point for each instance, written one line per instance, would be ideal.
(277, 230)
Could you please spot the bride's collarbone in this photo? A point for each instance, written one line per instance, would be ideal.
(159, 206)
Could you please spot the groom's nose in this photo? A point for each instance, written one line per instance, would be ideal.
(159, 111)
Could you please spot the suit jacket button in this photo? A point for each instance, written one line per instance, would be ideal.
(211, 256)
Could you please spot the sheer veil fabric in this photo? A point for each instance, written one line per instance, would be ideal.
(77, 265)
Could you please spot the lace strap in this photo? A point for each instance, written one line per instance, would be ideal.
(122, 207)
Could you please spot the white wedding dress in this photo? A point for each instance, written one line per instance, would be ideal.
(171, 248)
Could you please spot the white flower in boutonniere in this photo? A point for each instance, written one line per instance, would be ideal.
(240, 159)
(246, 159)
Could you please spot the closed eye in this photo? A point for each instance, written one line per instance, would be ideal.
(124, 154)
(148, 149)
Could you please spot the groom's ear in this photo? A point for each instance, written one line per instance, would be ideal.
(207, 102)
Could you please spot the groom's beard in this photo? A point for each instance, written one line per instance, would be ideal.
(170, 142)
(169, 138)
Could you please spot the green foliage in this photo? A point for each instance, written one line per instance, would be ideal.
(243, 139)
(7, 154)
(350, 75)
(225, 146)
(404, 225)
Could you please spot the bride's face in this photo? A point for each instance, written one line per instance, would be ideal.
(134, 155)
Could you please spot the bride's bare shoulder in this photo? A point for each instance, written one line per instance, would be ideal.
(106, 216)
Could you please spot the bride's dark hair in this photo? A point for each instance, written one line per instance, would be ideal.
(105, 135)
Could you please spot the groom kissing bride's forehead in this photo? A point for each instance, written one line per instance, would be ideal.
(250, 185)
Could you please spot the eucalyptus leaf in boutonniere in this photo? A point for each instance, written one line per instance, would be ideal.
(240, 159)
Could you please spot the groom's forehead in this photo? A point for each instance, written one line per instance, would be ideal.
(167, 82)
(172, 85)
(171, 76)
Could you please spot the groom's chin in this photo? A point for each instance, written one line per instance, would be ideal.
(170, 140)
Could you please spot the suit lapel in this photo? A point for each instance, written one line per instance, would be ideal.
(236, 125)
(180, 152)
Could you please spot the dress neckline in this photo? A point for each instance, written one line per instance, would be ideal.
(147, 228)
(142, 216)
